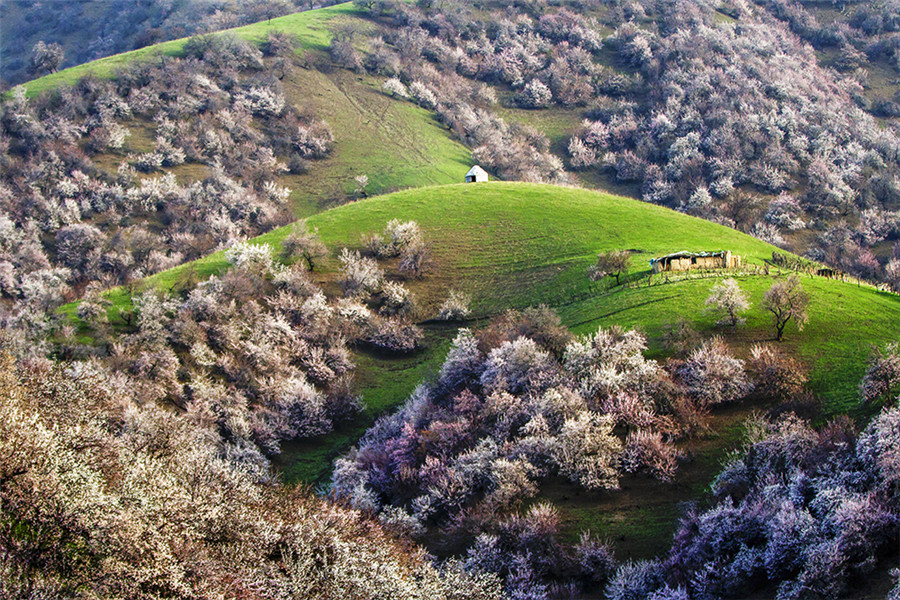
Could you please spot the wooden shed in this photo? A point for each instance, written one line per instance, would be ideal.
(476, 175)
(685, 261)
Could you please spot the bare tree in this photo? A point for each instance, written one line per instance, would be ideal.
(787, 300)
(614, 263)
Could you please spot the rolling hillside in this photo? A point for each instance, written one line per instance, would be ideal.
(513, 245)
(516, 245)
(284, 370)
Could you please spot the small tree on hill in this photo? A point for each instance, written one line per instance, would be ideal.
(787, 300)
(882, 378)
(46, 57)
(361, 182)
(305, 244)
(456, 306)
(727, 299)
(614, 263)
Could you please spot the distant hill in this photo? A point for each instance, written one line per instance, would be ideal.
(395, 144)
(88, 30)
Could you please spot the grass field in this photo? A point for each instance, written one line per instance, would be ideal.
(393, 142)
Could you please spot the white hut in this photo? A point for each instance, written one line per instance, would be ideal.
(476, 175)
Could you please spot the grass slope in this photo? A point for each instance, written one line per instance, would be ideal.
(394, 142)
(516, 244)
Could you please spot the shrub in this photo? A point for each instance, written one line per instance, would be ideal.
(798, 509)
(395, 87)
(395, 299)
(395, 335)
(882, 378)
(422, 96)
(395, 240)
(595, 560)
(77, 448)
(260, 101)
(712, 376)
(646, 450)
(727, 299)
(313, 140)
(303, 244)
(464, 362)
(679, 336)
(538, 323)
(587, 452)
(775, 375)
(45, 57)
(250, 257)
(360, 275)
(635, 580)
(455, 307)
(415, 260)
(535, 94)
(610, 363)
(518, 365)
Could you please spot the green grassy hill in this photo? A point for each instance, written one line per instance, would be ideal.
(516, 244)
(313, 28)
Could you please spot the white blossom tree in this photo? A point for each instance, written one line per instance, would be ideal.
(728, 300)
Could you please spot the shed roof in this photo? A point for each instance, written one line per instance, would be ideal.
(476, 170)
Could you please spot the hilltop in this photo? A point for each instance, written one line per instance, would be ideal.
(513, 245)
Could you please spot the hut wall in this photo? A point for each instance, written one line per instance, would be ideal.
(725, 260)
(709, 262)
(680, 264)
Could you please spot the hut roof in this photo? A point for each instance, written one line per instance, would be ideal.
(476, 171)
